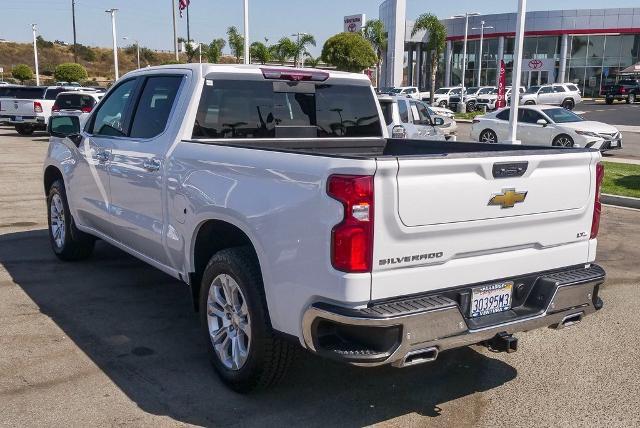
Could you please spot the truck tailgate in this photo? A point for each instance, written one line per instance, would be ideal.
(446, 222)
(17, 107)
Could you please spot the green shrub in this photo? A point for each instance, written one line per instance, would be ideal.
(22, 72)
(70, 72)
(349, 52)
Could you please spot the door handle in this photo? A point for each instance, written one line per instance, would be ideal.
(102, 156)
(151, 165)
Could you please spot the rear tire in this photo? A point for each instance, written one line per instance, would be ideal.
(25, 129)
(609, 101)
(443, 104)
(243, 348)
(68, 243)
(488, 136)
(471, 106)
(568, 104)
(563, 140)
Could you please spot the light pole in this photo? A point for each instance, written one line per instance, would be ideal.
(115, 40)
(34, 28)
(175, 35)
(137, 49)
(301, 59)
(462, 107)
(517, 71)
(247, 59)
(481, 28)
(75, 43)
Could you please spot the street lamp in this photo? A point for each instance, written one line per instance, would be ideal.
(462, 107)
(137, 49)
(517, 71)
(301, 56)
(481, 28)
(115, 40)
(247, 59)
(34, 28)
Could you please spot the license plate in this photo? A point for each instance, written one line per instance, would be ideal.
(490, 299)
(614, 143)
(18, 119)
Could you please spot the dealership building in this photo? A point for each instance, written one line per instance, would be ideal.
(588, 47)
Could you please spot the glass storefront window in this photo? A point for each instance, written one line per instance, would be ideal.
(612, 46)
(579, 47)
(548, 47)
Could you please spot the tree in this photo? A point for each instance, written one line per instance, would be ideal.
(70, 72)
(301, 44)
(284, 50)
(437, 34)
(191, 49)
(22, 72)
(260, 52)
(236, 43)
(214, 51)
(375, 33)
(349, 52)
(42, 43)
(310, 61)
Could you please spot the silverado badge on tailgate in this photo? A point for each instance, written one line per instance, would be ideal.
(508, 198)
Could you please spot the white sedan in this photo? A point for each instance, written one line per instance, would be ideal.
(544, 125)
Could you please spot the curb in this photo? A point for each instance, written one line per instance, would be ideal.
(463, 120)
(620, 201)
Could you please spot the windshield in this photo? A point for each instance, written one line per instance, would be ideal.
(395, 91)
(533, 90)
(561, 115)
(486, 91)
(472, 90)
(442, 91)
(455, 91)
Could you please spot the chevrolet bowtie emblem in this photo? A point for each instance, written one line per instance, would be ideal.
(508, 198)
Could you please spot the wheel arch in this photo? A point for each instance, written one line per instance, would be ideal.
(211, 236)
(51, 174)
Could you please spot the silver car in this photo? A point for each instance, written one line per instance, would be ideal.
(409, 118)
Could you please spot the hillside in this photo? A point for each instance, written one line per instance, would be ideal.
(97, 61)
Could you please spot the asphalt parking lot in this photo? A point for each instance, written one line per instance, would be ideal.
(111, 341)
(624, 116)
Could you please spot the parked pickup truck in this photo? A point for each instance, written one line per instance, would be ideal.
(276, 196)
(29, 107)
(626, 89)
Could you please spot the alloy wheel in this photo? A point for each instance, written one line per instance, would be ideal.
(58, 223)
(229, 322)
(564, 142)
(488, 137)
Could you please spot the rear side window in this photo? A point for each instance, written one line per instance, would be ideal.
(403, 111)
(156, 101)
(573, 88)
(275, 109)
(558, 89)
(74, 102)
(387, 112)
(504, 114)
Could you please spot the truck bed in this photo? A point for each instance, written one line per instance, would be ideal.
(380, 148)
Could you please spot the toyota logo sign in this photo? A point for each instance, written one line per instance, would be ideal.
(535, 64)
(352, 27)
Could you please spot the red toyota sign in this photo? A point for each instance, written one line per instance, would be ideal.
(535, 64)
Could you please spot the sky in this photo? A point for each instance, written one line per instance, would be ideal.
(149, 21)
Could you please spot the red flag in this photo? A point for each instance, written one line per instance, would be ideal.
(182, 5)
(502, 83)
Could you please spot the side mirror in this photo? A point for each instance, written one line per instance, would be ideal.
(542, 122)
(65, 127)
(437, 121)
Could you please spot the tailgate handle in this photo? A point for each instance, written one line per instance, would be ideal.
(509, 169)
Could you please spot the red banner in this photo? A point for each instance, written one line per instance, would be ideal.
(502, 83)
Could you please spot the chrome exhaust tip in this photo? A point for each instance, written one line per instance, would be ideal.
(570, 320)
(420, 356)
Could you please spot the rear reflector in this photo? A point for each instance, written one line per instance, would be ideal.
(294, 75)
(597, 206)
(352, 239)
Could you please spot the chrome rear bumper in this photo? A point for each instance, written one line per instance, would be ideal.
(436, 323)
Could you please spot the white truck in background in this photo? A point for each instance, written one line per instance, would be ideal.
(275, 194)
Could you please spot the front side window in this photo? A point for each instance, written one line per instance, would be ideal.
(387, 112)
(276, 109)
(546, 90)
(109, 118)
(526, 115)
(442, 91)
(156, 101)
(422, 113)
(533, 90)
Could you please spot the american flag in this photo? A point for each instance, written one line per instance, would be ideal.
(182, 5)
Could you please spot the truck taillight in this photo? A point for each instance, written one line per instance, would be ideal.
(37, 107)
(55, 107)
(86, 109)
(597, 206)
(352, 239)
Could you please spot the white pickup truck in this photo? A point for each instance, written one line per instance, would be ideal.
(28, 108)
(276, 196)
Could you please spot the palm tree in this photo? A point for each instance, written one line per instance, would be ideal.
(236, 42)
(310, 61)
(437, 34)
(284, 50)
(260, 52)
(301, 43)
(376, 35)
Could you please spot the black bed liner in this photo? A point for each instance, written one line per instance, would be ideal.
(386, 148)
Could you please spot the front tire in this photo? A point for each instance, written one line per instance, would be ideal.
(471, 106)
(609, 101)
(243, 348)
(25, 129)
(563, 140)
(631, 99)
(68, 243)
(488, 136)
(443, 104)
